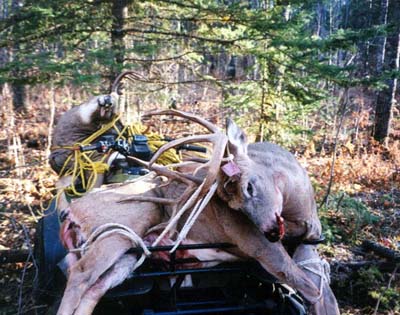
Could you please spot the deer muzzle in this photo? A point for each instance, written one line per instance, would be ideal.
(277, 232)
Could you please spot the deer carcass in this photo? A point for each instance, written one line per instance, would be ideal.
(79, 123)
(276, 194)
(106, 264)
(82, 121)
(74, 126)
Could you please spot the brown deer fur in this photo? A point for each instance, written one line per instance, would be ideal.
(79, 123)
(75, 125)
(237, 215)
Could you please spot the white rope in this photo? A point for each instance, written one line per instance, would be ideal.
(323, 271)
(194, 215)
(108, 229)
(174, 220)
(101, 232)
(139, 262)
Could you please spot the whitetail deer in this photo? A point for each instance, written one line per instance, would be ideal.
(79, 123)
(82, 121)
(267, 187)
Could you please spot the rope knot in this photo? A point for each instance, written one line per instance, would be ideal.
(323, 271)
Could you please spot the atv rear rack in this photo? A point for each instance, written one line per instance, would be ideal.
(229, 288)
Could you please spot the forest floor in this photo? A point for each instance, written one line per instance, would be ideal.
(364, 204)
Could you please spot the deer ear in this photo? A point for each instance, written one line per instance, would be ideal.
(237, 138)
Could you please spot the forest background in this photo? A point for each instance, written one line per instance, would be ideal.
(316, 76)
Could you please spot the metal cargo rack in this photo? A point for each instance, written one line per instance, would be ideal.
(162, 288)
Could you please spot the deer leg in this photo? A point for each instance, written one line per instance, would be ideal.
(62, 202)
(86, 272)
(113, 277)
(307, 257)
(99, 181)
(272, 256)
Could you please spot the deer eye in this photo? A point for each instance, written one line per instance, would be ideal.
(250, 189)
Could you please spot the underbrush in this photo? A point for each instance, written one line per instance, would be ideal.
(369, 289)
(363, 167)
(364, 203)
(347, 219)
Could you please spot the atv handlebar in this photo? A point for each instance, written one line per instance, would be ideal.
(194, 148)
(122, 146)
(101, 147)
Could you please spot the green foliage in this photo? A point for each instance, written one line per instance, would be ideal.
(369, 277)
(71, 41)
(357, 210)
(389, 298)
(52, 41)
(345, 218)
(365, 284)
(289, 72)
(330, 229)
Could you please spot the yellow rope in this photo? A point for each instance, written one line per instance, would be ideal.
(82, 167)
(155, 141)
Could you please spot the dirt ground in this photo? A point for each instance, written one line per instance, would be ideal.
(364, 204)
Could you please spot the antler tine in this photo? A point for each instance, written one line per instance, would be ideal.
(177, 142)
(164, 171)
(139, 161)
(219, 146)
(203, 122)
(186, 178)
(219, 141)
(166, 201)
(132, 75)
(192, 197)
(217, 138)
(136, 77)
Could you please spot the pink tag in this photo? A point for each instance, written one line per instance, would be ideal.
(231, 169)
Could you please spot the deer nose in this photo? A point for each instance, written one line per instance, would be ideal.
(108, 100)
(63, 215)
(273, 235)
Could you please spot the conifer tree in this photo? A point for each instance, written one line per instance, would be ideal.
(273, 60)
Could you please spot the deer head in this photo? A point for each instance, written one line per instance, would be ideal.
(253, 188)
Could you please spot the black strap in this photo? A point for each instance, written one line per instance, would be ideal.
(317, 241)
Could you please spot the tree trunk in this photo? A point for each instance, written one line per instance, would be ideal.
(13, 256)
(17, 89)
(18, 96)
(120, 15)
(380, 56)
(385, 102)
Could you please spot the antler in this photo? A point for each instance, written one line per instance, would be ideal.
(201, 121)
(131, 75)
(194, 197)
(217, 138)
(199, 190)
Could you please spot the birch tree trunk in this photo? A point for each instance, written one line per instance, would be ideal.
(3, 50)
(385, 102)
(380, 56)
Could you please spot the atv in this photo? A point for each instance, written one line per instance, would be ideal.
(157, 287)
